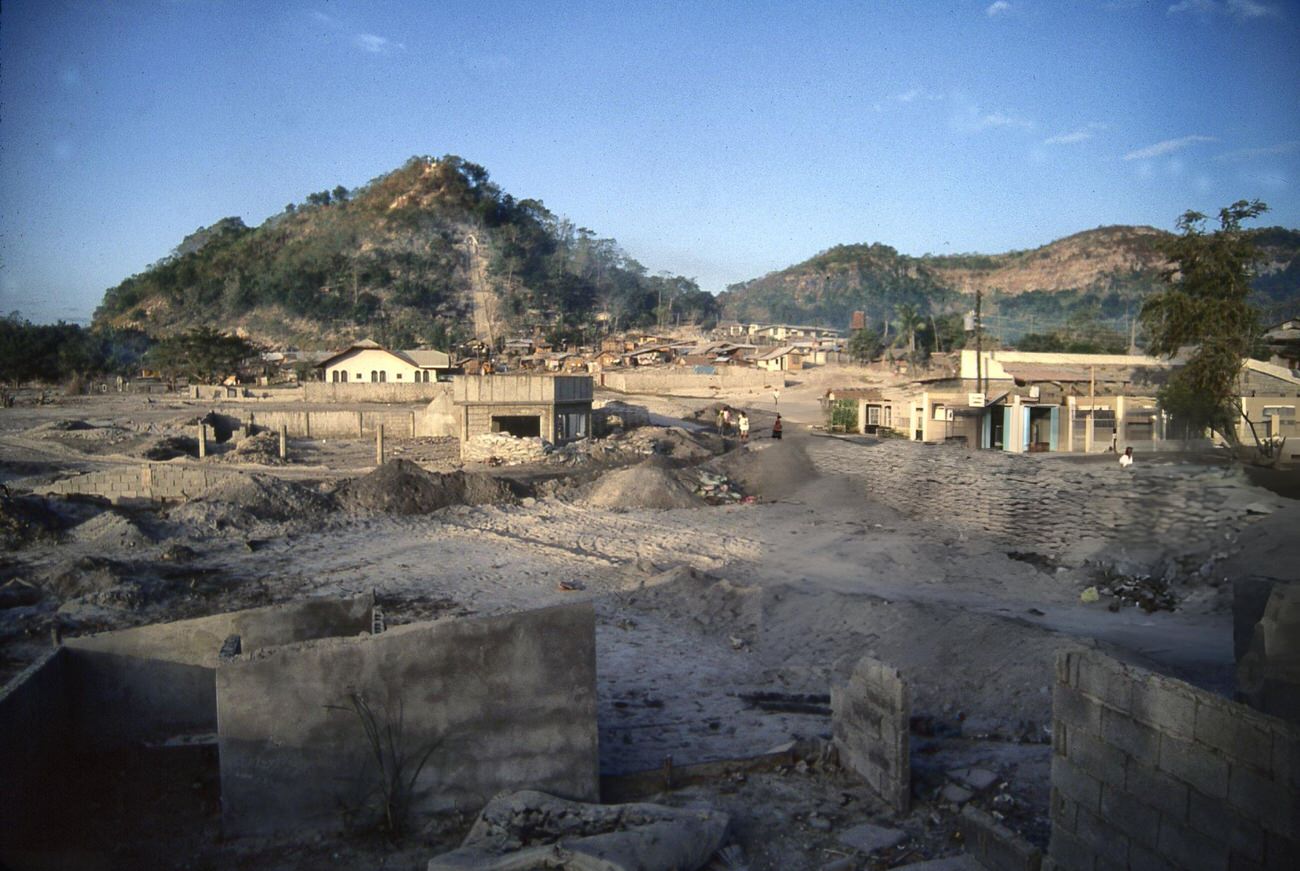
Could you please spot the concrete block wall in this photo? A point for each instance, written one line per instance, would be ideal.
(1153, 773)
(508, 702)
(317, 391)
(683, 380)
(870, 714)
(330, 424)
(148, 481)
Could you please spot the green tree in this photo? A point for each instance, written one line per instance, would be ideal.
(865, 345)
(1205, 305)
(910, 320)
(202, 354)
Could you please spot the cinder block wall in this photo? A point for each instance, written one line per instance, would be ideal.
(148, 481)
(1151, 772)
(684, 380)
(870, 723)
(316, 391)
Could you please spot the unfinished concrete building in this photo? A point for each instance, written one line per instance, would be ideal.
(556, 408)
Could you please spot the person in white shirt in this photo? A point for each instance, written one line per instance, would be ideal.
(1127, 459)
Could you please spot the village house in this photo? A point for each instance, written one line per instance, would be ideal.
(779, 359)
(369, 362)
(1024, 402)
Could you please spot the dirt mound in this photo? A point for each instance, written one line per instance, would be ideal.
(243, 500)
(110, 529)
(263, 448)
(767, 470)
(402, 487)
(24, 519)
(89, 575)
(651, 484)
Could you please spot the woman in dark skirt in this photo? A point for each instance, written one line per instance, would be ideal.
(776, 428)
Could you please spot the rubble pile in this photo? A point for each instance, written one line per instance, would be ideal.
(531, 829)
(25, 519)
(498, 449)
(718, 489)
(1139, 591)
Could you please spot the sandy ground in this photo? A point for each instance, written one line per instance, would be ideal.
(698, 608)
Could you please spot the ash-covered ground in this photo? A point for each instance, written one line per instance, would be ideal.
(726, 578)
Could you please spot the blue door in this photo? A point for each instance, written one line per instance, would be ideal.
(986, 429)
(1024, 428)
(1055, 426)
(1006, 427)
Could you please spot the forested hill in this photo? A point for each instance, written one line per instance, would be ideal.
(1103, 273)
(406, 259)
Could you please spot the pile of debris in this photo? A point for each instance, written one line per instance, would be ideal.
(1137, 590)
(262, 448)
(718, 489)
(499, 449)
(25, 519)
(402, 487)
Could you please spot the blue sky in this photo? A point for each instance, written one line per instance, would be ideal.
(717, 140)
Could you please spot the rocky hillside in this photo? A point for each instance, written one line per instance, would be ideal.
(432, 253)
(1104, 272)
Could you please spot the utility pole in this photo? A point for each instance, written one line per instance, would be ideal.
(979, 345)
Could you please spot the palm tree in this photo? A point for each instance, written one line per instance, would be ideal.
(909, 321)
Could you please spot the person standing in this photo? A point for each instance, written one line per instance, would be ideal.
(776, 428)
(722, 421)
(776, 397)
(1127, 459)
(742, 424)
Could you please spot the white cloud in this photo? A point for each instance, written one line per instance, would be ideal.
(970, 118)
(1082, 134)
(1267, 151)
(1001, 119)
(376, 44)
(1240, 9)
(998, 8)
(911, 95)
(1168, 146)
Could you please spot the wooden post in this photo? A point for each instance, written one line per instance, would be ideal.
(361, 427)
(379, 445)
(284, 441)
(413, 424)
(203, 440)
(306, 423)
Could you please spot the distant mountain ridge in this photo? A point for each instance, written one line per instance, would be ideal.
(1106, 272)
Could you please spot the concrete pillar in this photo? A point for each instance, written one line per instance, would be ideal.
(248, 425)
(361, 430)
(1120, 423)
(1088, 433)
(379, 445)
(1069, 423)
(284, 441)
(1017, 435)
(203, 440)
(413, 424)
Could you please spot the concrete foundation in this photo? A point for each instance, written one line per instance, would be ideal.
(506, 703)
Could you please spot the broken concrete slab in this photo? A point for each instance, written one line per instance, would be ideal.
(955, 794)
(962, 862)
(533, 830)
(978, 779)
(869, 838)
